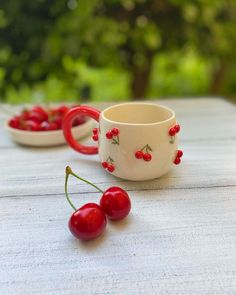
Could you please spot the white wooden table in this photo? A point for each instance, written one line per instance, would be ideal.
(179, 239)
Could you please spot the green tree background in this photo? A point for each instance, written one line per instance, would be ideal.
(116, 50)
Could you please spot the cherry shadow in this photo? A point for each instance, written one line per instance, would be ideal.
(121, 225)
(90, 245)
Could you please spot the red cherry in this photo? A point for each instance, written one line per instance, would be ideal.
(177, 161)
(95, 131)
(109, 135)
(58, 121)
(62, 110)
(38, 109)
(95, 137)
(177, 128)
(88, 222)
(110, 167)
(48, 126)
(139, 154)
(115, 131)
(179, 154)
(31, 125)
(25, 114)
(42, 115)
(147, 157)
(172, 131)
(104, 164)
(116, 203)
(15, 122)
(37, 116)
(78, 120)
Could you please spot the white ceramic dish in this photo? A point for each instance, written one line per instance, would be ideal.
(47, 138)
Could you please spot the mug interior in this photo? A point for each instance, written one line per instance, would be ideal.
(138, 113)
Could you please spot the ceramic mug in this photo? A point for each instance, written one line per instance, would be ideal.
(136, 141)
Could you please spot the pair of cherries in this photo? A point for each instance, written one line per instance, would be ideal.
(144, 153)
(112, 133)
(178, 157)
(174, 130)
(89, 221)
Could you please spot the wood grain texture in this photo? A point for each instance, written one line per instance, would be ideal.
(179, 239)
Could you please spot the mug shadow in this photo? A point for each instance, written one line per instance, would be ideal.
(167, 181)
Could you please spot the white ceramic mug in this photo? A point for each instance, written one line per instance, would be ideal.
(136, 141)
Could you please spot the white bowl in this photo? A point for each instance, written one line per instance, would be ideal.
(47, 138)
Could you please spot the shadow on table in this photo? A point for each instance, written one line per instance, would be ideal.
(115, 226)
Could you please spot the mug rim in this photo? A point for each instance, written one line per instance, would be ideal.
(139, 124)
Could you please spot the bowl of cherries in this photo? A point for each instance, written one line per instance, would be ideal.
(41, 126)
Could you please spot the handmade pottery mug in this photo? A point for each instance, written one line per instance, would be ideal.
(136, 141)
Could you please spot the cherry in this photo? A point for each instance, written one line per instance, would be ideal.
(104, 164)
(88, 222)
(110, 167)
(109, 135)
(177, 161)
(38, 114)
(139, 154)
(78, 121)
(179, 154)
(37, 117)
(95, 131)
(15, 122)
(172, 131)
(48, 126)
(95, 137)
(62, 110)
(25, 114)
(31, 125)
(115, 202)
(177, 128)
(58, 121)
(147, 157)
(115, 131)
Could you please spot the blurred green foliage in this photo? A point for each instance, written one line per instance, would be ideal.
(116, 49)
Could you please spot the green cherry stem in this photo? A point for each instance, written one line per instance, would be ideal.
(66, 191)
(70, 172)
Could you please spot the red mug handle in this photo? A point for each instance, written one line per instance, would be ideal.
(67, 124)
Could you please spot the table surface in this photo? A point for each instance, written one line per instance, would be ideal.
(179, 239)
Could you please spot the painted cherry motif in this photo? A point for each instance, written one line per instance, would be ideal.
(109, 164)
(95, 134)
(178, 157)
(113, 135)
(173, 131)
(144, 153)
(89, 221)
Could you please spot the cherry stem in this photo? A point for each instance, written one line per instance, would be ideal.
(115, 141)
(66, 191)
(70, 172)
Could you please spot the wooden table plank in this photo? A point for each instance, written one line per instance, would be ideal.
(179, 239)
